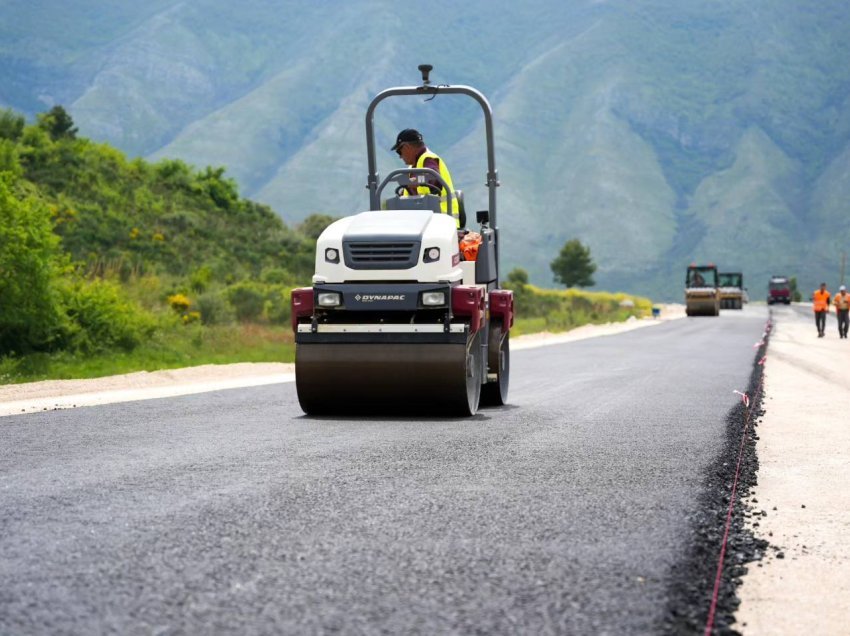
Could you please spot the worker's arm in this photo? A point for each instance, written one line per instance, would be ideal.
(432, 163)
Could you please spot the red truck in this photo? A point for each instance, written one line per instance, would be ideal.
(779, 290)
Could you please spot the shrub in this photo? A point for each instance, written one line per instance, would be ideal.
(174, 173)
(275, 276)
(9, 160)
(101, 318)
(518, 276)
(278, 308)
(30, 309)
(200, 279)
(315, 224)
(565, 309)
(214, 309)
(179, 303)
(247, 299)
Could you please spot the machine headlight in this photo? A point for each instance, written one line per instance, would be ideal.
(328, 299)
(433, 299)
(332, 255)
(432, 254)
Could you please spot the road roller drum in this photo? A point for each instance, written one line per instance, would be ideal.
(435, 379)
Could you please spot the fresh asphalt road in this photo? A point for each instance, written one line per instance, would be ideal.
(232, 512)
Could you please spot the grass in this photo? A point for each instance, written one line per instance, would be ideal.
(566, 320)
(527, 326)
(190, 346)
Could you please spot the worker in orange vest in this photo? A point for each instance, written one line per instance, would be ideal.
(842, 309)
(820, 303)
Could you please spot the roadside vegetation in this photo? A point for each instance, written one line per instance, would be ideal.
(556, 310)
(796, 296)
(110, 265)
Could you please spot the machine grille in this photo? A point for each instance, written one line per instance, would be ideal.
(380, 254)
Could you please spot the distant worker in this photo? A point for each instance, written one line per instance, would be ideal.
(842, 309)
(698, 280)
(411, 148)
(820, 303)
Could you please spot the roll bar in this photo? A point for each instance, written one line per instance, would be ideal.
(427, 89)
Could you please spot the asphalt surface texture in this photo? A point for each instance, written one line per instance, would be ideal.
(570, 511)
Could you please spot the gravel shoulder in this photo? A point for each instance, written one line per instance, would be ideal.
(803, 583)
(32, 397)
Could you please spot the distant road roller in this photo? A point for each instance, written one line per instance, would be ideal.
(702, 295)
(731, 290)
(397, 320)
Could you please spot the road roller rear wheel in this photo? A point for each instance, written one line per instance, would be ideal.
(499, 351)
(473, 369)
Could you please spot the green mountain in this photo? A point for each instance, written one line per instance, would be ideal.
(656, 132)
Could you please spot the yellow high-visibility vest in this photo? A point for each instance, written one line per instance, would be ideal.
(444, 173)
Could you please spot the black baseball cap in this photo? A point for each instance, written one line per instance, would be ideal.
(407, 135)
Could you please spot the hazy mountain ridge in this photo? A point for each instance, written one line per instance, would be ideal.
(656, 132)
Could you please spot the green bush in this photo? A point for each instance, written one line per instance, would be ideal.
(560, 310)
(517, 277)
(278, 308)
(247, 299)
(9, 161)
(200, 279)
(275, 276)
(214, 309)
(315, 224)
(101, 318)
(259, 302)
(30, 309)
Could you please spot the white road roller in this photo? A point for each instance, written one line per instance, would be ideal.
(397, 321)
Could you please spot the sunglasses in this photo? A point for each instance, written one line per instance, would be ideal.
(400, 146)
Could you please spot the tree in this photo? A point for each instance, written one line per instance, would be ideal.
(223, 191)
(574, 266)
(11, 124)
(796, 296)
(57, 123)
(518, 276)
(315, 224)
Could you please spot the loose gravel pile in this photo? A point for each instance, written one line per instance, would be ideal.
(692, 582)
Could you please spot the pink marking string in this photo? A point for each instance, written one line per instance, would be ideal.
(744, 398)
(746, 401)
